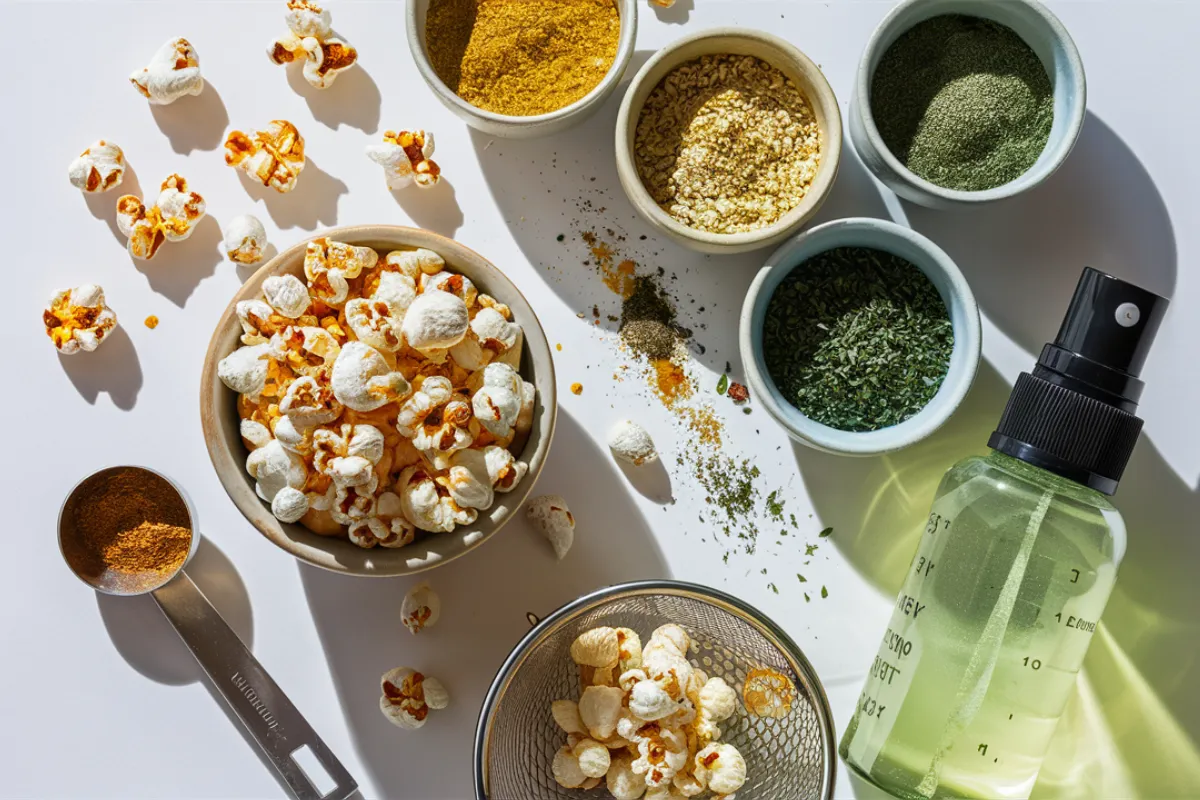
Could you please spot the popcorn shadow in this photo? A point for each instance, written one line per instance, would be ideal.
(148, 642)
(651, 480)
(353, 99)
(104, 205)
(676, 14)
(312, 204)
(485, 597)
(113, 368)
(246, 271)
(435, 209)
(193, 123)
(179, 267)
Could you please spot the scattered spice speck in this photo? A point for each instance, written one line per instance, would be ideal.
(723, 384)
(775, 506)
(824, 592)
(825, 534)
(558, 347)
(576, 388)
(738, 393)
(809, 549)
(773, 588)
(151, 322)
(801, 578)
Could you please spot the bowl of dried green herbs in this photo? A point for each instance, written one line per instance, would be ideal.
(860, 337)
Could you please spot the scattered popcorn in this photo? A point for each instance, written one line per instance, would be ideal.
(768, 693)
(421, 608)
(310, 36)
(404, 700)
(172, 218)
(721, 768)
(98, 168)
(245, 239)
(286, 294)
(436, 320)
(406, 159)
(274, 157)
(78, 319)
(173, 72)
(551, 517)
(630, 442)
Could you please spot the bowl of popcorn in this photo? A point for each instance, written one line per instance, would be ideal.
(378, 400)
(660, 690)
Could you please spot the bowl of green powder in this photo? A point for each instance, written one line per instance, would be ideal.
(860, 337)
(959, 102)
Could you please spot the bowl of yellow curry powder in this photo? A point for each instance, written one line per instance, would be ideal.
(522, 68)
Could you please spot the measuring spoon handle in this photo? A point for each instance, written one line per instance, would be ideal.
(274, 723)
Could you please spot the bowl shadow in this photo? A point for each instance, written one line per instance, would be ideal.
(358, 620)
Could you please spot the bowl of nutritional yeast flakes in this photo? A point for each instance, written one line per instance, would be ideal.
(221, 421)
(961, 102)
(519, 69)
(860, 337)
(721, 193)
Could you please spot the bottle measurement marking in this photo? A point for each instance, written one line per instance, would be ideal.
(258, 705)
(897, 644)
(1078, 623)
(937, 522)
(1033, 663)
(884, 671)
(909, 606)
(924, 567)
(871, 707)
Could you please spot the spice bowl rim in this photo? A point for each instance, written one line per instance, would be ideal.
(1071, 84)
(513, 126)
(922, 253)
(782, 55)
(219, 417)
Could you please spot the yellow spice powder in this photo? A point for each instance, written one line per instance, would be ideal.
(522, 57)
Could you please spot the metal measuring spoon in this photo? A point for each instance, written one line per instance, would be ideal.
(306, 765)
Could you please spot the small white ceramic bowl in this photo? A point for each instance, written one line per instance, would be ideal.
(740, 41)
(512, 127)
(1048, 38)
(891, 238)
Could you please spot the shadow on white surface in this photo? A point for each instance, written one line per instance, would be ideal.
(312, 204)
(352, 100)
(179, 267)
(193, 123)
(104, 205)
(113, 368)
(246, 271)
(651, 480)
(676, 14)
(146, 640)
(435, 209)
(485, 598)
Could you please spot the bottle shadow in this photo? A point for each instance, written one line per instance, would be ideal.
(485, 599)
(113, 367)
(193, 123)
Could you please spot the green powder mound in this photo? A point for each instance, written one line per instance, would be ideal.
(963, 102)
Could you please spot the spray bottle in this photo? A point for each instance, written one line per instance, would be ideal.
(1014, 568)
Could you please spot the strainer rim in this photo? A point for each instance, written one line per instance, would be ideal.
(765, 625)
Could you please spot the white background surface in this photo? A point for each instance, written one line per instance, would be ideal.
(100, 699)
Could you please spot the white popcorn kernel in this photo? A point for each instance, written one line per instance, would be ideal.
(494, 332)
(287, 294)
(718, 700)
(622, 782)
(566, 715)
(245, 239)
(329, 265)
(629, 678)
(352, 504)
(395, 289)
(415, 263)
(98, 168)
(594, 759)
(436, 696)
(349, 471)
(373, 324)
(467, 480)
(630, 649)
(665, 666)
(440, 436)
(551, 517)
(363, 381)
(257, 321)
(309, 402)
(421, 608)
(406, 158)
(307, 350)
(254, 433)
(174, 71)
(245, 370)
(174, 215)
(498, 401)
(78, 319)
(630, 442)
(721, 768)
(272, 157)
(274, 468)
(429, 507)
(296, 440)
(662, 753)
(600, 708)
(687, 785)
(403, 700)
(289, 504)
(452, 283)
(672, 635)
(430, 393)
(387, 528)
(435, 320)
(566, 770)
(310, 36)
(503, 468)
(598, 647)
(649, 702)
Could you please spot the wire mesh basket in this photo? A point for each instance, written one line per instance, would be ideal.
(787, 758)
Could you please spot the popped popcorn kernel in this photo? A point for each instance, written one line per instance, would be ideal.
(98, 168)
(172, 218)
(310, 36)
(78, 319)
(406, 158)
(273, 156)
(172, 73)
(245, 239)
(421, 608)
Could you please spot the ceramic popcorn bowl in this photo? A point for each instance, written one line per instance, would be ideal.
(219, 417)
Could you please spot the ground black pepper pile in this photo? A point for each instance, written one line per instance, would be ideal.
(648, 320)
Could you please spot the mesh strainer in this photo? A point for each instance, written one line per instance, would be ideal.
(791, 758)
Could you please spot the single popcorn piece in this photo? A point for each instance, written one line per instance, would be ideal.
(429, 506)
(721, 768)
(245, 239)
(362, 380)
(551, 517)
(768, 693)
(330, 265)
(630, 442)
(172, 218)
(600, 708)
(650, 702)
(598, 647)
(388, 527)
(310, 401)
(259, 322)
(307, 350)
(98, 168)
(406, 158)
(458, 285)
(310, 36)
(435, 321)
(436, 696)
(403, 700)
(421, 608)
(286, 294)
(662, 753)
(255, 434)
(415, 263)
(78, 319)
(273, 157)
(629, 646)
(497, 403)
(289, 505)
(173, 72)
(245, 369)
(274, 468)
(373, 324)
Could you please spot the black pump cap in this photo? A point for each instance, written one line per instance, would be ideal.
(1074, 415)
